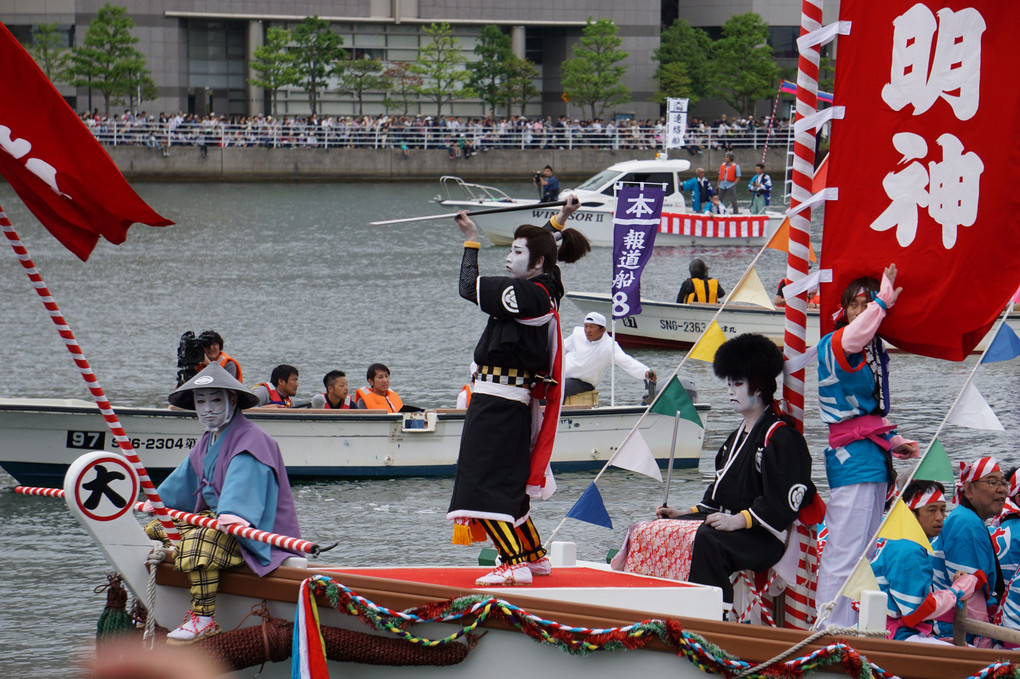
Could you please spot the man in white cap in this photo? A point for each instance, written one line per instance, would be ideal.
(589, 352)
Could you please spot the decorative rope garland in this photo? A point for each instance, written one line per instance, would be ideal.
(583, 641)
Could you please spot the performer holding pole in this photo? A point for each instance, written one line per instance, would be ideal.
(507, 441)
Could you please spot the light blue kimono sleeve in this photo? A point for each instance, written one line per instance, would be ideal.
(178, 490)
(250, 490)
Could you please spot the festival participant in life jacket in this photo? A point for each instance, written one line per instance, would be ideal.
(853, 397)
(214, 354)
(281, 387)
(903, 569)
(699, 287)
(762, 473)
(236, 473)
(500, 466)
(377, 395)
(965, 544)
(336, 396)
(729, 173)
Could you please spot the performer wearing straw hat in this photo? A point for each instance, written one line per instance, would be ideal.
(507, 439)
(762, 473)
(236, 473)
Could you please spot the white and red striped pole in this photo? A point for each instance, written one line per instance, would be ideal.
(286, 542)
(800, 223)
(90, 378)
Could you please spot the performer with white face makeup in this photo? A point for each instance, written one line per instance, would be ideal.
(235, 472)
(507, 439)
(762, 473)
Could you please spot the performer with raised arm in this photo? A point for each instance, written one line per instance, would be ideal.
(853, 397)
(507, 443)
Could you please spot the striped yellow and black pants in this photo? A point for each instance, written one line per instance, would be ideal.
(202, 553)
(515, 544)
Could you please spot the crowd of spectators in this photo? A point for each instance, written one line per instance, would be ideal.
(419, 132)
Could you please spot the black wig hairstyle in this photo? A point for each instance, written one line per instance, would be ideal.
(751, 357)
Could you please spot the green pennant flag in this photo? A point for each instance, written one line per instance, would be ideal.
(936, 466)
(674, 399)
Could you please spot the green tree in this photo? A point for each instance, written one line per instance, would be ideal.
(593, 77)
(673, 82)
(489, 72)
(358, 76)
(274, 65)
(316, 50)
(50, 51)
(440, 65)
(826, 75)
(518, 87)
(107, 60)
(684, 52)
(400, 83)
(743, 68)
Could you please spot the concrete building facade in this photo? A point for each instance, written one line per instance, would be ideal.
(198, 51)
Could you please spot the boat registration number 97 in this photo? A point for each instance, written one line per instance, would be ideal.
(683, 326)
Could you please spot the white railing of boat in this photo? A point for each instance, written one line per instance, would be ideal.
(469, 191)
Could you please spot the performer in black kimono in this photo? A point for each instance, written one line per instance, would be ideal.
(506, 443)
(762, 473)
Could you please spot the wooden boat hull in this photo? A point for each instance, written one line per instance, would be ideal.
(502, 651)
(42, 436)
(667, 325)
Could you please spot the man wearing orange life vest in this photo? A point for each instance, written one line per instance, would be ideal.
(335, 397)
(729, 173)
(281, 387)
(699, 287)
(377, 395)
(214, 354)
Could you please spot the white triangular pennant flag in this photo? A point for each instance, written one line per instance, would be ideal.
(635, 455)
(752, 291)
(973, 411)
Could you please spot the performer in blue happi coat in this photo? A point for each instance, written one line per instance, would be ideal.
(904, 571)
(701, 191)
(1006, 539)
(965, 544)
(853, 397)
(236, 473)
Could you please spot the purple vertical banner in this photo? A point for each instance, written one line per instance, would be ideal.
(638, 211)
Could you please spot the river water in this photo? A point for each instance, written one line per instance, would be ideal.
(293, 273)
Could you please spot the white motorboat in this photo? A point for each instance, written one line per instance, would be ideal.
(667, 325)
(41, 437)
(435, 623)
(594, 219)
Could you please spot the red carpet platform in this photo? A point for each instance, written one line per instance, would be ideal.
(580, 577)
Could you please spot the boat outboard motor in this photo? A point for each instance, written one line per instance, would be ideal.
(651, 386)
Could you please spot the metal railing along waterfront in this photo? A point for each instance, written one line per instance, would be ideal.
(462, 140)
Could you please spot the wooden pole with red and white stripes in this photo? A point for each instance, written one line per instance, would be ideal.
(800, 223)
(291, 544)
(64, 330)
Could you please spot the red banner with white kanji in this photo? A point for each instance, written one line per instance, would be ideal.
(927, 164)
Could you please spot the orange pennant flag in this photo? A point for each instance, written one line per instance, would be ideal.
(821, 175)
(781, 241)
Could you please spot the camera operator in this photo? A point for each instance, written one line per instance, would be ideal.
(547, 184)
(213, 346)
(190, 354)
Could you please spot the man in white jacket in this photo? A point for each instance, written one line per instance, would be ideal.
(588, 354)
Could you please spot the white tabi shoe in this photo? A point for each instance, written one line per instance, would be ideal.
(193, 628)
(541, 567)
(505, 574)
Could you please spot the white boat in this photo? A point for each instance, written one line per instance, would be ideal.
(670, 625)
(598, 204)
(668, 325)
(41, 437)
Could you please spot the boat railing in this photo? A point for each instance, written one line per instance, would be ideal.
(480, 193)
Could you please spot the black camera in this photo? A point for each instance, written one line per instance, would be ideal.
(190, 353)
(536, 177)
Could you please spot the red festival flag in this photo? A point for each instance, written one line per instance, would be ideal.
(923, 181)
(55, 164)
